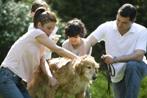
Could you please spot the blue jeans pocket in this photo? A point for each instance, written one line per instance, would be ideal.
(11, 86)
(7, 75)
(3, 76)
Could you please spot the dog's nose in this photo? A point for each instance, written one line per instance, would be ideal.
(94, 77)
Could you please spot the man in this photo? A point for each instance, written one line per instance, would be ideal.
(125, 43)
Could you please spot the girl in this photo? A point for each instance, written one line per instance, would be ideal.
(25, 56)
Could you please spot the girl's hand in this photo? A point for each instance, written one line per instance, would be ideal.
(54, 82)
(42, 60)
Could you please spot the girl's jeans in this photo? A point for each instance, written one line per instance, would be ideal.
(11, 86)
(129, 86)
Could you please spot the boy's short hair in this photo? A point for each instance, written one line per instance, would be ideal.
(75, 27)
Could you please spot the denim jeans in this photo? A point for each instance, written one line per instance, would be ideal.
(11, 85)
(130, 85)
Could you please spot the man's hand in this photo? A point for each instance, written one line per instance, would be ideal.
(108, 59)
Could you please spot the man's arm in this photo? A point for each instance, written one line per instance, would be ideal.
(137, 55)
(91, 40)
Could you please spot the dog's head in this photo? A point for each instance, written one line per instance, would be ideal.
(87, 67)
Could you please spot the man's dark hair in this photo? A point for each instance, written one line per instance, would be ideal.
(128, 10)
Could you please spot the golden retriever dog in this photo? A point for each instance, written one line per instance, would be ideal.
(73, 76)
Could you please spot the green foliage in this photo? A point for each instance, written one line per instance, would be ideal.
(99, 88)
(143, 89)
(92, 12)
(13, 23)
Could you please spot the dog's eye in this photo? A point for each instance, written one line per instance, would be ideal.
(89, 67)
